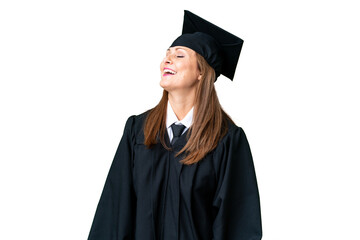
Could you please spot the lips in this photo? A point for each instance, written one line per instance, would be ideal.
(168, 72)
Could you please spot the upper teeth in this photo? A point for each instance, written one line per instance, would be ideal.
(169, 71)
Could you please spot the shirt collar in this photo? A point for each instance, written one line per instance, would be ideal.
(171, 117)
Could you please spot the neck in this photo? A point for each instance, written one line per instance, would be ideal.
(181, 104)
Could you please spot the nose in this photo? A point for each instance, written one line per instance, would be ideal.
(167, 60)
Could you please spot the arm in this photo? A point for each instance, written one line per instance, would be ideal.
(115, 214)
(237, 198)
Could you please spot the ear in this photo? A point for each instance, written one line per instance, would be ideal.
(199, 77)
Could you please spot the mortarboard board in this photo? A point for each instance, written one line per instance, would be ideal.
(220, 48)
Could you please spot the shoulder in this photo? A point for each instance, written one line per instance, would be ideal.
(135, 124)
(233, 131)
(233, 149)
(234, 137)
(136, 121)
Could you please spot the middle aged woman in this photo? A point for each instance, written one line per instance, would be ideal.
(184, 170)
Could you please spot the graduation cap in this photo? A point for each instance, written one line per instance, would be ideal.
(220, 48)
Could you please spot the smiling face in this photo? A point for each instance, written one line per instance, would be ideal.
(179, 70)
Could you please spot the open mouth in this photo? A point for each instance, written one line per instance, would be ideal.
(168, 71)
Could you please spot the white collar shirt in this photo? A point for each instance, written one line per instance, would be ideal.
(171, 118)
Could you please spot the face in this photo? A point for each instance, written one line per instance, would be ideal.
(179, 70)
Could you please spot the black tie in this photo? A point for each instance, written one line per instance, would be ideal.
(177, 131)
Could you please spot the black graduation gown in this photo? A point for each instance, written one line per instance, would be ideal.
(149, 195)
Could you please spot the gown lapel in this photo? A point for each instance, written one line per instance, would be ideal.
(173, 179)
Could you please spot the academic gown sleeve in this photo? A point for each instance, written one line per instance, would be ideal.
(115, 214)
(236, 200)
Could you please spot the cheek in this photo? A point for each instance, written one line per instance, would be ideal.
(188, 78)
(192, 72)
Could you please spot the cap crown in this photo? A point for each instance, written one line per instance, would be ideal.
(220, 48)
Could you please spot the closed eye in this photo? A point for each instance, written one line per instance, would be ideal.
(180, 56)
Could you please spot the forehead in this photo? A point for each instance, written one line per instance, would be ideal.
(180, 48)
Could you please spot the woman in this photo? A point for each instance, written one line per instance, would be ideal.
(183, 170)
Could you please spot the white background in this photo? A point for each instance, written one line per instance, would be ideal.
(72, 72)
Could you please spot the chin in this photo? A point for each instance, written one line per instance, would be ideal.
(165, 83)
(166, 87)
